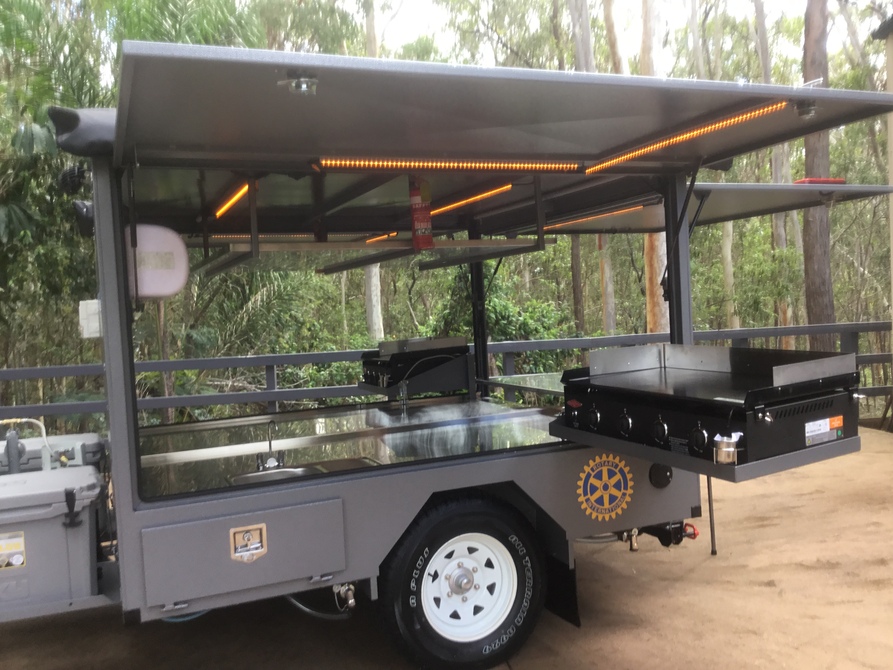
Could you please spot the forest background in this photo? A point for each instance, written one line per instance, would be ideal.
(746, 274)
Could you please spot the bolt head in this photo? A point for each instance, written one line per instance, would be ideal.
(449, 594)
(460, 564)
(474, 569)
(477, 586)
(464, 599)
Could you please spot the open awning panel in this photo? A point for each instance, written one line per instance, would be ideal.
(194, 105)
(331, 143)
(722, 202)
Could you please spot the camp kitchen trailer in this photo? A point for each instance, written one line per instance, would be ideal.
(455, 512)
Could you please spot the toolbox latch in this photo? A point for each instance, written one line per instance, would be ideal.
(71, 516)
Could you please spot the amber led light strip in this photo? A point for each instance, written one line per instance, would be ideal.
(381, 237)
(475, 198)
(225, 207)
(593, 218)
(688, 135)
(460, 165)
(453, 205)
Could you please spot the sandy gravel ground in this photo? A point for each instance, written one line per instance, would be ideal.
(803, 579)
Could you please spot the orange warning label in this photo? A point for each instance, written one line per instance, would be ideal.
(836, 422)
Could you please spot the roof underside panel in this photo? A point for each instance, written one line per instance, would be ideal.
(205, 106)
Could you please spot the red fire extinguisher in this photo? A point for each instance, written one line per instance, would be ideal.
(420, 205)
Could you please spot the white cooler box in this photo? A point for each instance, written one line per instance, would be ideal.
(46, 554)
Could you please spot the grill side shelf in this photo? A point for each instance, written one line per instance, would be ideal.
(729, 473)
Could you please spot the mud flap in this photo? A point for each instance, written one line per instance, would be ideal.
(561, 595)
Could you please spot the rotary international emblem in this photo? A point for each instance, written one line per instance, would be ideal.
(605, 487)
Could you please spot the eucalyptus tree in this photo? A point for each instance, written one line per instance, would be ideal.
(657, 311)
(817, 224)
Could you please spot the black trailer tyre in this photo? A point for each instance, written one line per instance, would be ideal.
(465, 585)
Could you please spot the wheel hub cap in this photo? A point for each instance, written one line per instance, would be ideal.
(461, 581)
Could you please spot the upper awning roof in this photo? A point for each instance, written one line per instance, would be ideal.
(184, 105)
(202, 121)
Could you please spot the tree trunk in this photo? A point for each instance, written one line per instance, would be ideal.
(556, 33)
(344, 305)
(657, 312)
(783, 312)
(577, 286)
(619, 65)
(371, 35)
(694, 30)
(728, 275)
(817, 224)
(374, 322)
(584, 61)
(618, 62)
(646, 48)
(609, 307)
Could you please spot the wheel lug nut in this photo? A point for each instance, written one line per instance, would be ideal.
(474, 569)
(477, 586)
(460, 564)
(449, 594)
(464, 599)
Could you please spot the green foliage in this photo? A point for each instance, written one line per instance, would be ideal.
(513, 33)
(423, 49)
(220, 22)
(507, 317)
(312, 25)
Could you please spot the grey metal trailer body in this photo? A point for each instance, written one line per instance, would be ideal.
(457, 541)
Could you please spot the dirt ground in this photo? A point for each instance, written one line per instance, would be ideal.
(803, 579)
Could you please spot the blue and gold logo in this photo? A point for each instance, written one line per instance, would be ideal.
(605, 487)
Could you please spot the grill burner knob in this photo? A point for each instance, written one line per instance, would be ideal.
(625, 424)
(594, 417)
(659, 431)
(697, 440)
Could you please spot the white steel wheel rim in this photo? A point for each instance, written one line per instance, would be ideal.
(469, 587)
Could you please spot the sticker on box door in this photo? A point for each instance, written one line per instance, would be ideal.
(605, 487)
(824, 430)
(248, 543)
(12, 550)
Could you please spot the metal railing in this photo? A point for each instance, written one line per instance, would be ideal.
(271, 394)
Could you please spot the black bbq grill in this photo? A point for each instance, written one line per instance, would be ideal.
(418, 365)
(726, 406)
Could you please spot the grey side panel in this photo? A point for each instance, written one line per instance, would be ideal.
(378, 506)
(191, 560)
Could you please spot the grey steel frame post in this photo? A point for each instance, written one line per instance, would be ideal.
(119, 369)
(679, 287)
(678, 261)
(479, 315)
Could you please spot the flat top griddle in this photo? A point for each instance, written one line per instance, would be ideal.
(700, 385)
(725, 377)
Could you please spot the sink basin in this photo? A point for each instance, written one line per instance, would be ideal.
(276, 475)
